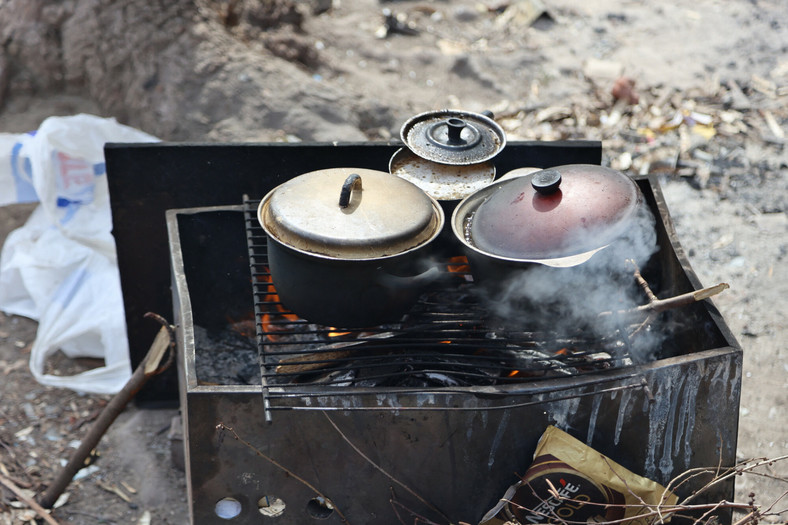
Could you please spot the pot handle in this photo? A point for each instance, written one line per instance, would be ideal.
(353, 182)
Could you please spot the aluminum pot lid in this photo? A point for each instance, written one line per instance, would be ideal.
(453, 137)
(443, 182)
(553, 213)
(350, 213)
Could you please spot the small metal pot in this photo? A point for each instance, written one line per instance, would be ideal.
(348, 247)
(559, 218)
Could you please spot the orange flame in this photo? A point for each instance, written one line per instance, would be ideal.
(278, 312)
(458, 264)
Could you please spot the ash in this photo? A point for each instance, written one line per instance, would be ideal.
(225, 357)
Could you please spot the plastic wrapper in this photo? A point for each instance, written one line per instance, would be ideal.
(591, 488)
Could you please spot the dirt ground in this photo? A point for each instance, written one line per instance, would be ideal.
(708, 112)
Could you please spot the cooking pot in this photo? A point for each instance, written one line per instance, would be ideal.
(347, 247)
(560, 218)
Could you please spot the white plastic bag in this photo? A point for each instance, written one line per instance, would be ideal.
(60, 268)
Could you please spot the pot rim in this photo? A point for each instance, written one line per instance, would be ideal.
(469, 206)
(473, 176)
(438, 222)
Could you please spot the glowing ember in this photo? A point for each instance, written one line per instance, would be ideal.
(244, 327)
(458, 264)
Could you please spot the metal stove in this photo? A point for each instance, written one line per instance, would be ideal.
(278, 442)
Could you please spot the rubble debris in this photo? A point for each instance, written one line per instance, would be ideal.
(522, 13)
(396, 24)
(602, 70)
(624, 89)
(703, 135)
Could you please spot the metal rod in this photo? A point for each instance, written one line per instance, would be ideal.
(458, 409)
(252, 241)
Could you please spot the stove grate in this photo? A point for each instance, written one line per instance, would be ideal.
(448, 339)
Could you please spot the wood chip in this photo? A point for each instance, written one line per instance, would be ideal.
(61, 500)
(738, 99)
(128, 488)
(762, 85)
(553, 113)
(771, 122)
(114, 489)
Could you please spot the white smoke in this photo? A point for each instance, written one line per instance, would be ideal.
(569, 301)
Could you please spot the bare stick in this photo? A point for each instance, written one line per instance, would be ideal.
(416, 517)
(661, 510)
(656, 305)
(642, 282)
(150, 366)
(660, 305)
(379, 468)
(222, 426)
(27, 501)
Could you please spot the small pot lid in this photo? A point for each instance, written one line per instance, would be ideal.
(350, 213)
(444, 182)
(453, 137)
(554, 213)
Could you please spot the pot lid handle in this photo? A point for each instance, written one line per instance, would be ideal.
(546, 182)
(455, 127)
(353, 182)
(454, 134)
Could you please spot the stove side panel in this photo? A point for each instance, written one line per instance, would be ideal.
(453, 456)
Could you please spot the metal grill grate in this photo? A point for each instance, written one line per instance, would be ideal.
(448, 339)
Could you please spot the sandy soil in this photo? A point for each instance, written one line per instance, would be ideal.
(334, 76)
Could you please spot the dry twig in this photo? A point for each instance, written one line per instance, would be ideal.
(223, 427)
(380, 469)
(27, 501)
(151, 365)
(662, 512)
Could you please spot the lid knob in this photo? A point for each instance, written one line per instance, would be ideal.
(455, 126)
(546, 182)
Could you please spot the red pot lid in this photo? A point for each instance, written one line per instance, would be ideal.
(556, 212)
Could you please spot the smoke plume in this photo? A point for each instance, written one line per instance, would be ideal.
(568, 301)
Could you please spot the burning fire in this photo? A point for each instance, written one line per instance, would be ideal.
(268, 320)
(275, 304)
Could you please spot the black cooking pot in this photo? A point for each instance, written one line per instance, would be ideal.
(350, 247)
(554, 219)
